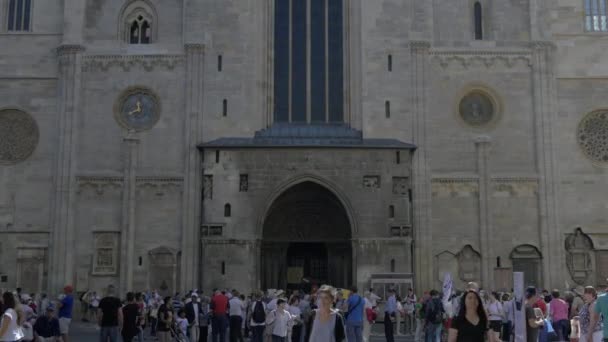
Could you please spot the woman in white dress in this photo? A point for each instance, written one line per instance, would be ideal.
(10, 326)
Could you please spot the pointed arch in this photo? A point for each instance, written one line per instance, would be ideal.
(138, 23)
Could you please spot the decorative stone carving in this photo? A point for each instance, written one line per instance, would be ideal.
(371, 182)
(592, 136)
(105, 257)
(137, 109)
(126, 63)
(445, 262)
(514, 187)
(244, 183)
(163, 269)
(476, 109)
(484, 59)
(98, 185)
(469, 264)
(160, 184)
(401, 186)
(208, 187)
(578, 258)
(19, 136)
(454, 187)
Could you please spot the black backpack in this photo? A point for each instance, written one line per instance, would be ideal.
(259, 315)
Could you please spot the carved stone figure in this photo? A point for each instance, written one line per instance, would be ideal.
(469, 262)
(371, 182)
(400, 185)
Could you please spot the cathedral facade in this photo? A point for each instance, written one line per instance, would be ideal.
(257, 144)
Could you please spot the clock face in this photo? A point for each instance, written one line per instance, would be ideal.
(138, 110)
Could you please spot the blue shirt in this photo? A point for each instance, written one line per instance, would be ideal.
(66, 307)
(355, 308)
(601, 307)
(391, 305)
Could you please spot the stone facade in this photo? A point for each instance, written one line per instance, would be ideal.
(107, 175)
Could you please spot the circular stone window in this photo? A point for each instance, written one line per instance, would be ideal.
(593, 136)
(137, 109)
(18, 136)
(477, 108)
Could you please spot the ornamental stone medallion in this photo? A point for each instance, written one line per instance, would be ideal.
(593, 136)
(137, 109)
(477, 109)
(18, 136)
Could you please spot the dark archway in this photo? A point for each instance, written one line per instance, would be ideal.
(306, 234)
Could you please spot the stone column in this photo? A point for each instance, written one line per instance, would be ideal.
(482, 146)
(545, 96)
(127, 235)
(191, 194)
(419, 51)
(61, 268)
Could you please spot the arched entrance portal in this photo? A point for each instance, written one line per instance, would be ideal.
(306, 234)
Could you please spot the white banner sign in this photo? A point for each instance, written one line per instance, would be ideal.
(447, 287)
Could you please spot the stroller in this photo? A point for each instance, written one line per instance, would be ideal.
(177, 334)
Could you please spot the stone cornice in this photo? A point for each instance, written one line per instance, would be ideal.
(419, 46)
(93, 63)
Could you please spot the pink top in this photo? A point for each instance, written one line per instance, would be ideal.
(559, 309)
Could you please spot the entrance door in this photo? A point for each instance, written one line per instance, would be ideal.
(306, 235)
(306, 261)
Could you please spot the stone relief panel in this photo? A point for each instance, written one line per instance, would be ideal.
(463, 59)
(20, 135)
(208, 187)
(454, 187)
(469, 264)
(105, 253)
(579, 249)
(592, 135)
(506, 187)
(162, 275)
(95, 186)
(446, 262)
(371, 182)
(104, 63)
(401, 185)
(31, 269)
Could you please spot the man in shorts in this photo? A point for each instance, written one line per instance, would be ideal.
(65, 312)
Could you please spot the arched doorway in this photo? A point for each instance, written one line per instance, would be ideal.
(306, 235)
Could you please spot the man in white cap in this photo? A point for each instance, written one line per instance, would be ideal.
(193, 311)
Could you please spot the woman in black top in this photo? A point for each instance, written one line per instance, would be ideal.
(471, 324)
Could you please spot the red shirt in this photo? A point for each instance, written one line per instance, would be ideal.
(219, 303)
(540, 303)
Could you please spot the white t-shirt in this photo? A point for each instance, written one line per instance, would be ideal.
(374, 299)
(282, 322)
(368, 303)
(14, 332)
(236, 307)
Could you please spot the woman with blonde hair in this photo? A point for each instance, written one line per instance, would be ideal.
(589, 333)
(325, 323)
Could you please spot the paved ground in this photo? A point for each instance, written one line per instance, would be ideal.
(87, 332)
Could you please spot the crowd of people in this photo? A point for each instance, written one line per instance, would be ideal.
(318, 315)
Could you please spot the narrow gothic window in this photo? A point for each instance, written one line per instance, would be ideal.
(223, 268)
(387, 109)
(138, 23)
(19, 14)
(478, 21)
(219, 63)
(225, 107)
(398, 157)
(391, 211)
(217, 156)
(392, 265)
(227, 210)
(596, 16)
(308, 61)
(390, 62)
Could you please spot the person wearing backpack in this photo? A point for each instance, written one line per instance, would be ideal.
(258, 318)
(433, 317)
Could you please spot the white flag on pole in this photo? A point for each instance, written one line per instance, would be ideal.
(447, 287)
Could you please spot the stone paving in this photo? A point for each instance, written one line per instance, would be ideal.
(88, 332)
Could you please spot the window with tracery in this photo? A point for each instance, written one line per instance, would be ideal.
(19, 15)
(138, 23)
(596, 16)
